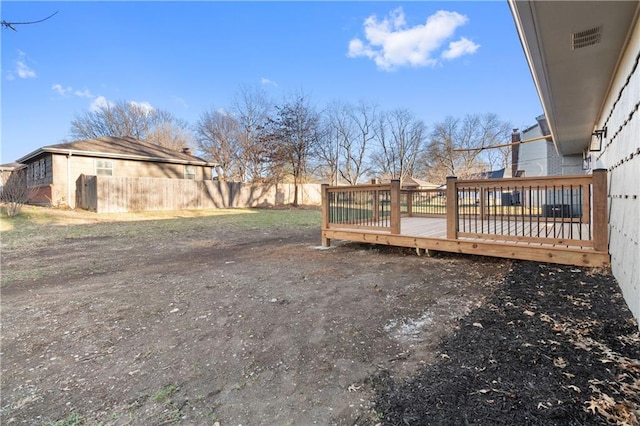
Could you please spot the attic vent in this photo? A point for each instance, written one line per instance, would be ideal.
(586, 38)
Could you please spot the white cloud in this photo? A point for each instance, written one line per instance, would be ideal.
(464, 46)
(21, 69)
(99, 103)
(83, 93)
(391, 44)
(144, 106)
(62, 91)
(268, 82)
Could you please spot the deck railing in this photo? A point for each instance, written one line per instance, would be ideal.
(362, 206)
(552, 210)
(423, 203)
(559, 210)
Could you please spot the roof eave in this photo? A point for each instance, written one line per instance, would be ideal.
(114, 156)
(522, 13)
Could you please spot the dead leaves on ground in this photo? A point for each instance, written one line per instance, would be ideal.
(617, 401)
(615, 412)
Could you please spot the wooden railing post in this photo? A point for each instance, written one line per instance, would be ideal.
(409, 202)
(395, 206)
(586, 203)
(376, 202)
(452, 208)
(326, 242)
(599, 203)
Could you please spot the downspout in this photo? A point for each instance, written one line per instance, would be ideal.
(69, 179)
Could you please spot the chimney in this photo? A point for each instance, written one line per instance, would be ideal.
(515, 152)
(186, 150)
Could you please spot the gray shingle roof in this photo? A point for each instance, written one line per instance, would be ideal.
(120, 147)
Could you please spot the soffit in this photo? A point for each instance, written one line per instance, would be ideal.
(572, 81)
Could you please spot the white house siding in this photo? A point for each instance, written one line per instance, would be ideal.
(620, 155)
(540, 158)
(533, 155)
(572, 165)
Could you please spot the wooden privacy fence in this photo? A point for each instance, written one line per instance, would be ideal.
(556, 210)
(109, 194)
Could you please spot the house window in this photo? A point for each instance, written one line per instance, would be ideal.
(189, 172)
(104, 168)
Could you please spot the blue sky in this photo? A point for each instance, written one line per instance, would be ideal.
(433, 58)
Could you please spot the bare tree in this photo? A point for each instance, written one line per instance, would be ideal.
(495, 132)
(457, 146)
(361, 118)
(217, 134)
(347, 133)
(131, 119)
(336, 128)
(327, 148)
(15, 193)
(251, 109)
(174, 134)
(401, 137)
(294, 132)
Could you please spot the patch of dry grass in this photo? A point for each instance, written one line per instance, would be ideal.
(46, 216)
(42, 226)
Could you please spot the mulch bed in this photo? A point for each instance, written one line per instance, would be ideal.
(554, 345)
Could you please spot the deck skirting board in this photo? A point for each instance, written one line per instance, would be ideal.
(524, 251)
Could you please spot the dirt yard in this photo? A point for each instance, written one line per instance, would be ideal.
(239, 319)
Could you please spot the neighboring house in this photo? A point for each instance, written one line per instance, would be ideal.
(52, 170)
(584, 57)
(415, 183)
(493, 174)
(540, 157)
(6, 170)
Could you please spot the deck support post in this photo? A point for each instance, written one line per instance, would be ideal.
(395, 206)
(452, 208)
(326, 242)
(600, 206)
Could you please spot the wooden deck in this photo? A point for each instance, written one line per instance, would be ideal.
(431, 234)
(578, 236)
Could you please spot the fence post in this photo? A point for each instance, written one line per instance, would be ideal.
(599, 202)
(324, 189)
(395, 206)
(452, 208)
